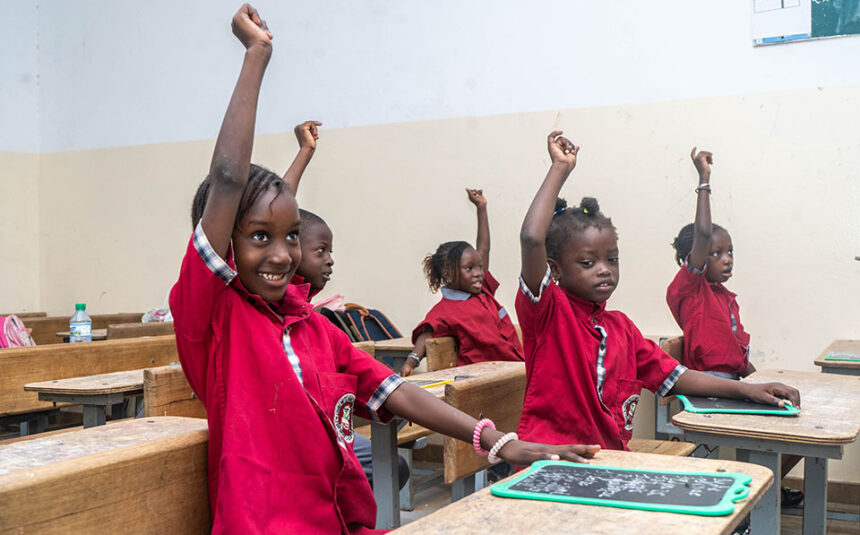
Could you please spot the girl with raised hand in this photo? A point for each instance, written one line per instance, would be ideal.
(280, 384)
(586, 365)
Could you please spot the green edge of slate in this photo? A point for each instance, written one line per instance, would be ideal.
(788, 410)
(843, 356)
(739, 490)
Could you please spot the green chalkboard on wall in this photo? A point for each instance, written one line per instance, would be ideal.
(835, 17)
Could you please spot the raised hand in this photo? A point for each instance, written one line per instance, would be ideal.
(250, 28)
(703, 160)
(561, 150)
(307, 134)
(476, 197)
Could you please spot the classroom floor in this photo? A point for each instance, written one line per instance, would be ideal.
(432, 496)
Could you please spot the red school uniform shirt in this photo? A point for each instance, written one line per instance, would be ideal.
(280, 385)
(585, 369)
(480, 324)
(708, 313)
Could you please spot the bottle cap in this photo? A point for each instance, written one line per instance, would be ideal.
(80, 306)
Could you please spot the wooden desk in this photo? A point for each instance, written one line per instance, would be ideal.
(95, 392)
(136, 476)
(829, 419)
(842, 367)
(98, 334)
(484, 513)
(393, 352)
(384, 442)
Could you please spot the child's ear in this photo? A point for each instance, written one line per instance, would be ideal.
(554, 269)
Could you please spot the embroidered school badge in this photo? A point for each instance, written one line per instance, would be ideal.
(343, 417)
(628, 408)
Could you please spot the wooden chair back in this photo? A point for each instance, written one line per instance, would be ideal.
(134, 476)
(674, 347)
(45, 329)
(441, 353)
(498, 397)
(136, 330)
(166, 392)
(23, 365)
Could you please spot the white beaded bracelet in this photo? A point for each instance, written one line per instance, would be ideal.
(498, 446)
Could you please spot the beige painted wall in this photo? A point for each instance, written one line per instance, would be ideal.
(114, 223)
(19, 237)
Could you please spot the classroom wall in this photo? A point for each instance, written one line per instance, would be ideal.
(125, 116)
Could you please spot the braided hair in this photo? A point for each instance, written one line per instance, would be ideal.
(683, 243)
(443, 267)
(260, 180)
(568, 221)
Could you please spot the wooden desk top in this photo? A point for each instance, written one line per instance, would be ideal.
(829, 412)
(18, 459)
(484, 513)
(98, 334)
(91, 385)
(395, 344)
(471, 370)
(846, 346)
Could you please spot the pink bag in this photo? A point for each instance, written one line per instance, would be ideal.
(13, 333)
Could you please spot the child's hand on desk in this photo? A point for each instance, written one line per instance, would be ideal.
(703, 160)
(476, 197)
(521, 453)
(561, 150)
(772, 394)
(307, 134)
(251, 29)
(407, 369)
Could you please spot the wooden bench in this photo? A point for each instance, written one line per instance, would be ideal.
(136, 476)
(136, 330)
(23, 315)
(24, 365)
(45, 329)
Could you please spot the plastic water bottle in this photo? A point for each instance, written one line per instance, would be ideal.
(80, 326)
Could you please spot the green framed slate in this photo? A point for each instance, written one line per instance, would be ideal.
(692, 493)
(734, 406)
(843, 356)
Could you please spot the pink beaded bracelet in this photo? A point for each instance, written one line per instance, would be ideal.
(476, 436)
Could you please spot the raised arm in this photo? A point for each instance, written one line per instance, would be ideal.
(307, 134)
(482, 243)
(231, 158)
(533, 233)
(702, 227)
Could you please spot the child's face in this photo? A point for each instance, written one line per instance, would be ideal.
(316, 264)
(470, 272)
(721, 258)
(588, 267)
(266, 245)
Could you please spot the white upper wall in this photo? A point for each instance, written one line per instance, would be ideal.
(19, 77)
(117, 72)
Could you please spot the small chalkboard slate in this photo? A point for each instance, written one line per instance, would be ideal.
(705, 493)
(428, 383)
(734, 406)
(842, 355)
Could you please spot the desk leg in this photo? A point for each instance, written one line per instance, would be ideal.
(764, 518)
(94, 415)
(386, 489)
(814, 495)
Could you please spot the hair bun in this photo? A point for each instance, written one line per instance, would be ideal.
(560, 205)
(589, 206)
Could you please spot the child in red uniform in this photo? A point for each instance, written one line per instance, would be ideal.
(468, 310)
(586, 365)
(714, 338)
(279, 383)
(715, 341)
